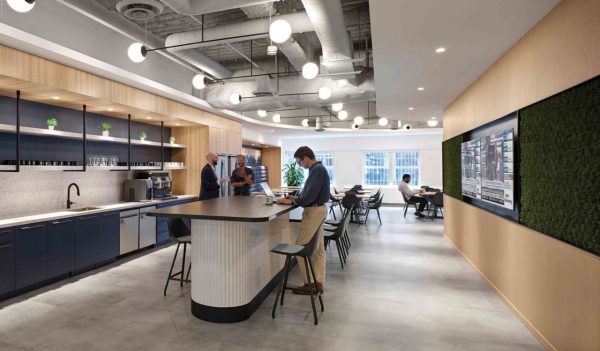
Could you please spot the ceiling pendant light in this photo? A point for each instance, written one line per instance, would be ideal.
(324, 93)
(262, 113)
(383, 121)
(198, 81)
(277, 118)
(235, 98)
(337, 107)
(359, 120)
(280, 31)
(137, 52)
(310, 70)
(21, 5)
(342, 115)
(305, 122)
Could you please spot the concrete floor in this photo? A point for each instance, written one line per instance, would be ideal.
(404, 288)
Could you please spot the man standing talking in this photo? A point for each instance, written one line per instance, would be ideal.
(210, 184)
(312, 198)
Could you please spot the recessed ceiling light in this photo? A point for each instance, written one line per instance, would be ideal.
(420, 88)
(440, 50)
(177, 124)
(56, 97)
(432, 117)
(432, 123)
(148, 117)
(111, 109)
(411, 108)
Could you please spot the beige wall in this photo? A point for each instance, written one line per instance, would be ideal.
(554, 287)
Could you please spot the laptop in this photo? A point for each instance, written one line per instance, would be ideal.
(268, 191)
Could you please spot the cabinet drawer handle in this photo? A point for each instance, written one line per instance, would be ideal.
(108, 214)
(32, 227)
(5, 231)
(90, 217)
(5, 246)
(59, 222)
(133, 215)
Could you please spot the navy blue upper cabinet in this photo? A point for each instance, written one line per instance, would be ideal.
(7, 261)
(108, 237)
(87, 229)
(31, 254)
(61, 247)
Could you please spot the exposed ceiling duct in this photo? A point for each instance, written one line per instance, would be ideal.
(217, 95)
(294, 53)
(199, 7)
(327, 17)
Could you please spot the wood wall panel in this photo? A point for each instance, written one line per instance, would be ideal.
(196, 138)
(271, 157)
(554, 287)
(561, 51)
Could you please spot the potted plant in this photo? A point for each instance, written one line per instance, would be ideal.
(293, 174)
(172, 140)
(105, 127)
(51, 122)
(142, 135)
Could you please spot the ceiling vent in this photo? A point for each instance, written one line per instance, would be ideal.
(263, 86)
(140, 10)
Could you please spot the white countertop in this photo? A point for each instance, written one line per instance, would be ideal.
(62, 214)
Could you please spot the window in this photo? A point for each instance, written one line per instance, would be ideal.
(326, 159)
(387, 168)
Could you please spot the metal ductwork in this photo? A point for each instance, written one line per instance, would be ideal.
(327, 17)
(199, 7)
(294, 53)
(217, 95)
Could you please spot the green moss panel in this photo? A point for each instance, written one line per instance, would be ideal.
(560, 166)
(452, 167)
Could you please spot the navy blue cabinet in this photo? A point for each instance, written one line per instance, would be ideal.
(7, 261)
(31, 254)
(108, 237)
(87, 229)
(61, 247)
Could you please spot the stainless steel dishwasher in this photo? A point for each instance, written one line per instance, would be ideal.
(147, 227)
(129, 231)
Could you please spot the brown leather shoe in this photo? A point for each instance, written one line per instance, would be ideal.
(304, 289)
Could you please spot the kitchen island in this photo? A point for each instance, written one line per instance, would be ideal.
(233, 270)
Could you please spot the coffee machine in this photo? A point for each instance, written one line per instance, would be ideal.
(162, 184)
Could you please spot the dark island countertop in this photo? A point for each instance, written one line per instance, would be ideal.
(233, 208)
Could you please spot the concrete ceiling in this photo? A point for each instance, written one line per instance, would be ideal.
(475, 34)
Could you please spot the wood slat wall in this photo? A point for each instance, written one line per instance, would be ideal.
(196, 138)
(271, 157)
(552, 286)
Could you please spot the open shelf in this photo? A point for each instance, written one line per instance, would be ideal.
(79, 136)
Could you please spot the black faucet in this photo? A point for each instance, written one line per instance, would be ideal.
(69, 203)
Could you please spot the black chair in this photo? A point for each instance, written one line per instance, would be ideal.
(334, 202)
(180, 233)
(338, 236)
(407, 203)
(375, 206)
(438, 204)
(304, 251)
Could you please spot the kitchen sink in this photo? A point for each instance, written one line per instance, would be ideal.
(83, 209)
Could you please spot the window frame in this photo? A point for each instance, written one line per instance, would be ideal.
(391, 167)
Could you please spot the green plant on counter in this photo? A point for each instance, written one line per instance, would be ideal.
(52, 122)
(105, 127)
(143, 135)
(172, 140)
(293, 174)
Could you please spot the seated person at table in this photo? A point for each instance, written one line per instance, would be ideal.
(242, 177)
(411, 195)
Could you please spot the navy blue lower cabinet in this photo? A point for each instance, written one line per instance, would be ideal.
(86, 240)
(31, 254)
(162, 231)
(7, 261)
(61, 247)
(109, 236)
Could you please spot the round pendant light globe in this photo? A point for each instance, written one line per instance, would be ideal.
(337, 107)
(262, 113)
(383, 121)
(310, 70)
(198, 81)
(136, 52)
(277, 118)
(280, 31)
(305, 122)
(21, 5)
(235, 98)
(324, 93)
(342, 115)
(359, 120)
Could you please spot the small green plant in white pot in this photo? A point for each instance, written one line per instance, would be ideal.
(51, 122)
(105, 127)
(172, 140)
(143, 136)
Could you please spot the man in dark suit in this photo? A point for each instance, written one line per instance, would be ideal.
(210, 184)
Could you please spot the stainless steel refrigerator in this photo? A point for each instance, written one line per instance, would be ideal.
(225, 166)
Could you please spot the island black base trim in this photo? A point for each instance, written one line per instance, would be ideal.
(238, 313)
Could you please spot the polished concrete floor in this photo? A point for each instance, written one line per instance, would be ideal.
(404, 288)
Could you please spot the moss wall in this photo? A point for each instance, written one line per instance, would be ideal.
(452, 167)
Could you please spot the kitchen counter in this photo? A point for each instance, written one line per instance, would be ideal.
(13, 221)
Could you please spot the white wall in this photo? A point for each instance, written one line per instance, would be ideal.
(348, 156)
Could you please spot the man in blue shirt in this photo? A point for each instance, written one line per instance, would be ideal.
(312, 198)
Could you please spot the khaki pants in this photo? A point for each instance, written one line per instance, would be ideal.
(311, 218)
